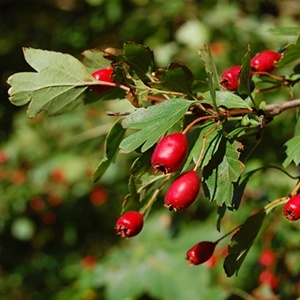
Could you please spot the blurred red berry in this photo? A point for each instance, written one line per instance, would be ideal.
(89, 262)
(200, 253)
(129, 224)
(265, 61)
(49, 217)
(268, 277)
(98, 196)
(54, 199)
(291, 209)
(267, 258)
(230, 78)
(37, 203)
(3, 157)
(18, 177)
(58, 175)
(103, 75)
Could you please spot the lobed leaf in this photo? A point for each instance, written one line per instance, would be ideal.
(287, 31)
(291, 149)
(223, 170)
(152, 123)
(57, 87)
(241, 243)
(111, 148)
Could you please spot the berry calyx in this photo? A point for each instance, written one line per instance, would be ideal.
(267, 258)
(170, 153)
(291, 209)
(265, 61)
(103, 75)
(183, 191)
(200, 253)
(129, 224)
(230, 78)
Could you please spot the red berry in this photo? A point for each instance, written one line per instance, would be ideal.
(265, 61)
(291, 209)
(230, 78)
(269, 278)
(267, 258)
(98, 196)
(170, 153)
(200, 253)
(103, 75)
(183, 191)
(129, 224)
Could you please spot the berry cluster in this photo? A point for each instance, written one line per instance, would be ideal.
(262, 63)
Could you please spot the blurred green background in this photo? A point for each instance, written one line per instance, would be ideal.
(57, 238)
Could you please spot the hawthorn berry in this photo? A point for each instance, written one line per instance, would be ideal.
(200, 253)
(129, 224)
(104, 74)
(291, 209)
(170, 153)
(267, 258)
(183, 191)
(230, 78)
(265, 61)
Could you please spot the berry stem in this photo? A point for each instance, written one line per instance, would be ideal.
(227, 234)
(154, 195)
(204, 137)
(198, 120)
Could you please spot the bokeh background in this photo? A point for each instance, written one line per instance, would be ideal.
(57, 238)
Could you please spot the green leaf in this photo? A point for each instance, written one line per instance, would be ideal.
(210, 66)
(93, 60)
(292, 151)
(177, 78)
(291, 54)
(112, 142)
(58, 87)
(245, 75)
(241, 243)
(152, 123)
(287, 31)
(226, 99)
(222, 172)
(211, 145)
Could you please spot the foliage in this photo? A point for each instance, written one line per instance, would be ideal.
(64, 222)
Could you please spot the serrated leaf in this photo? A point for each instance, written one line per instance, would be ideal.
(291, 53)
(245, 75)
(291, 149)
(241, 243)
(152, 123)
(286, 31)
(210, 66)
(58, 86)
(93, 60)
(226, 99)
(222, 172)
(177, 78)
(112, 142)
(211, 145)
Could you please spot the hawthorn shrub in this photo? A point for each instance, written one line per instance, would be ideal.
(223, 119)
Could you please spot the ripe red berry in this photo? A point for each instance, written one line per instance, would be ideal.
(200, 253)
(291, 209)
(170, 153)
(129, 224)
(103, 75)
(267, 258)
(265, 61)
(230, 78)
(183, 191)
(269, 278)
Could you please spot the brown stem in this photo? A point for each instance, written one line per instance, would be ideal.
(278, 108)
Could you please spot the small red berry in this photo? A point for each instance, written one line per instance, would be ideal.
(129, 224)
(265, 61)
(200, 253)
(291, 209)
(267, 258)
(98, 196)
(183, 191)
(269, 278)
(230, 78)
(103, 75)
(170, 153)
